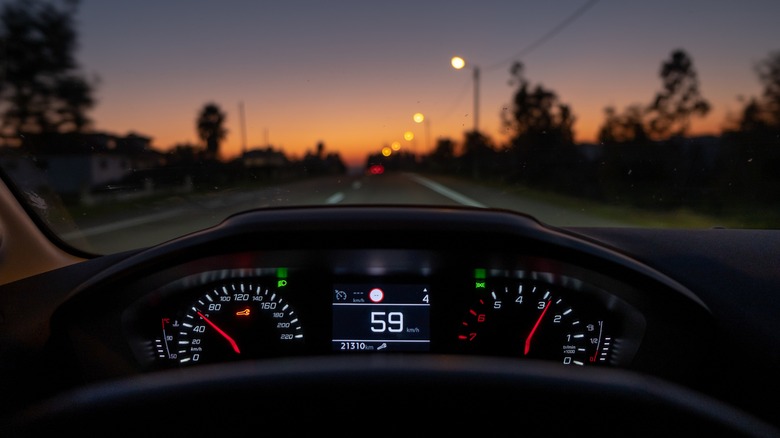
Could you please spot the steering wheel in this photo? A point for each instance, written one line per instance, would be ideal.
(390, 396)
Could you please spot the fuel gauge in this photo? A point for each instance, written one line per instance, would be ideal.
(599, 343)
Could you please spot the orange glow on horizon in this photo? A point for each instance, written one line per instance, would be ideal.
(360, 137)
(355, 147)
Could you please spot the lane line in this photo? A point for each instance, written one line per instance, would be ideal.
(445, 191)
(335, 198)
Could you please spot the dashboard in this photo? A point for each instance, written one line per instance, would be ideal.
(474, 293)
(323, 307)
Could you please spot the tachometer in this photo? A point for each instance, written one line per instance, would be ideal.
(238, 319)
(531, 319)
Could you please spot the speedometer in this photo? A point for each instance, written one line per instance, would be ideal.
(532, 319)
(238, 319)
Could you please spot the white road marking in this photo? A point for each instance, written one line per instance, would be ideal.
(447, 192)
(335, 198)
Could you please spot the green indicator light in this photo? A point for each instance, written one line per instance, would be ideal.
(281, 274)
(480, 285)
(479, 274)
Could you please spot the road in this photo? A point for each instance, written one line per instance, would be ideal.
(180, 215)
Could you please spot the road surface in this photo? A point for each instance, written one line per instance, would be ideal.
(184, 214)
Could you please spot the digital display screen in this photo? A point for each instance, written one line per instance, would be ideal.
(381, 317)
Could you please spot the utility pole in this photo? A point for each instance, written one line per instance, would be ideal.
(476, 99)
(243, 127)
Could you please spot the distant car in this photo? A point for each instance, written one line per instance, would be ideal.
(376, 169)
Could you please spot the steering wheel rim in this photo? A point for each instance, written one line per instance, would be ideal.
(390, 394)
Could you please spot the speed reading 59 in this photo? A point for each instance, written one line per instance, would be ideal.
(392, 322)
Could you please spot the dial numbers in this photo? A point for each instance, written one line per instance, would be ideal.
(523, 318)
(237, 320)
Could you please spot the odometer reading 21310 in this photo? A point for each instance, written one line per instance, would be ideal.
(381, 317)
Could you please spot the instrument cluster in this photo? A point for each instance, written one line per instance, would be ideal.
(382, 302)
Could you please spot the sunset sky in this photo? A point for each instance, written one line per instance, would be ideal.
(351, 74)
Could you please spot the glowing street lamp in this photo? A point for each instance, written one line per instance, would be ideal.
(420, 118)
(459, 63)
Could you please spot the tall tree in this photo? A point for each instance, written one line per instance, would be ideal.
(763, 113)
(543, 144)
(42, 90)
(628, 127)
(210, 127)
(478, 153)
(537, 116)
(679, 100)
(750, 156)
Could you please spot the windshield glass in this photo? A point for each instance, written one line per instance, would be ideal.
(126, 124)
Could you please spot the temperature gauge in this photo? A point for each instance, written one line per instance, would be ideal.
(165, 344)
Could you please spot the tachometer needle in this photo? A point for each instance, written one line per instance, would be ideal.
(533, 330)
(222, 332)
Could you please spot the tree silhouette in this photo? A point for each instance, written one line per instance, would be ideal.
(41, 88)
(627, 127)
(210, 128)
(749, 158)
(478, 154)
(679, 100)
(763, 113)
(537, 116)
(444, 150)
(542, 148)
(755, 118)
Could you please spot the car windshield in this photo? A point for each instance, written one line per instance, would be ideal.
(127, 124)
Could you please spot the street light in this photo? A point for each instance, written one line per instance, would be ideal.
(459, 63)
(420, 118)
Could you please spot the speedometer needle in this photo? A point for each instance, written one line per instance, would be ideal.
(221, 332)
(533, 330)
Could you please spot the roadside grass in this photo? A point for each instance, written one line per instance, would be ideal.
(165, 198)
(738, 216)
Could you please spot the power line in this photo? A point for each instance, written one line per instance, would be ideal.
(546, 37)
(530, 48)
(458, 99)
